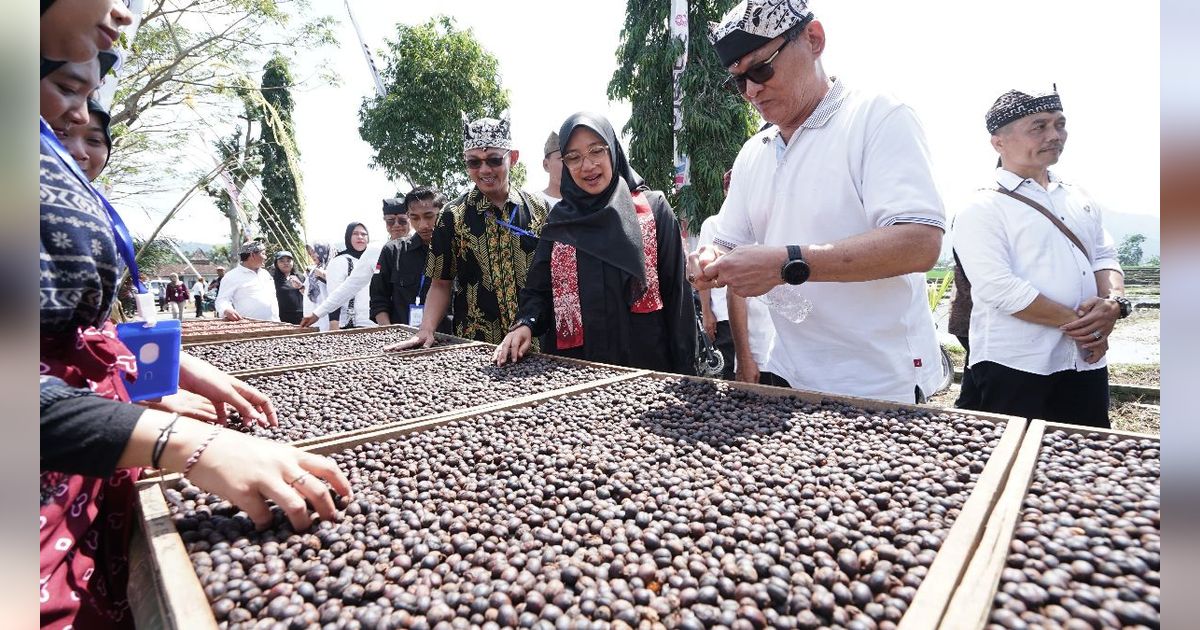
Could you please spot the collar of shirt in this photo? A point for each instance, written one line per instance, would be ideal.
(412, 242)
(477, 200)
(829, 105)
(1011, 181)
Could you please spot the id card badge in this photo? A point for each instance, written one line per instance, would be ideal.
(416, 313)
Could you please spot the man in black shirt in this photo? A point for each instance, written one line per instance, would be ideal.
(401, 284)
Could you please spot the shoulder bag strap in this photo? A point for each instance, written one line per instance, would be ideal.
(1062, 227)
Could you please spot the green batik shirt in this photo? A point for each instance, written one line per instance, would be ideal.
(487, 261)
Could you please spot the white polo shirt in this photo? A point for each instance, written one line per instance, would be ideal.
(1011, 253)
(759, 328)
(251, 294)
(859, 162)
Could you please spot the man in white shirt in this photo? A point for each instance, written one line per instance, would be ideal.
(247, 291)
(836, 200)
(1046, 286)
(552, 163)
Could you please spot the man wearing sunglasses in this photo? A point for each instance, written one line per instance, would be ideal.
(395, 217)
(837, 196)
(483, 243)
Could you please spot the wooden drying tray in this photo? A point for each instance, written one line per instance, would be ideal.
(177, 594)
(278, 329)
(972, 602)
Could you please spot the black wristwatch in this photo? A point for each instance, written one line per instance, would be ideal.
(524, 321)
(795, 270)
(1125, 304)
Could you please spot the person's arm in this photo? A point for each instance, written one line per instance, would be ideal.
(707, 317)
(82, 433)
(747, 367)
(1100, 313)
(382, 286)
(536, 306)
(360, 277)
(225, 292)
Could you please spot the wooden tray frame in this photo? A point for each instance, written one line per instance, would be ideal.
(184, 595)
(282, 329)
(972, 602)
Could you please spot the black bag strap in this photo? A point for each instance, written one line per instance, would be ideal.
(1062, 227)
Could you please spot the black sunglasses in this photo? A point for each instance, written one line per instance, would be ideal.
(760, 74)
(493, 161)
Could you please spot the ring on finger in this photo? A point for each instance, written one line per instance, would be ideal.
(299, 479)
(1096, 335)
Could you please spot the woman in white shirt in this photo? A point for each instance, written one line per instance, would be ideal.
(356, 311)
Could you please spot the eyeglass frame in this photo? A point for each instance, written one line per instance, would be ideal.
(604, 148)
(391, 219)
(479, 162)
(736, 83)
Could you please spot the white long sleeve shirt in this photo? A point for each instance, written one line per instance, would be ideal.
(1011, 253)
(858, 163)
(250, 293)
(344, 284)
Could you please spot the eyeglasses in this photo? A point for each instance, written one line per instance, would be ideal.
(760, 73)
(494, 161)
(395, 220)
(595, 153)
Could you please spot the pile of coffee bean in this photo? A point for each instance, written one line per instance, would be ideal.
(316, 402)
(1085, 552)
(220, 326)
(253, 354)
(647, 502)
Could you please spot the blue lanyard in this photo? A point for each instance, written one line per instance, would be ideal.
(120, 233)
(421, 287)
(508, 225)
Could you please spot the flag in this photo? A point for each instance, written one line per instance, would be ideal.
(366, 52)
(679, 29)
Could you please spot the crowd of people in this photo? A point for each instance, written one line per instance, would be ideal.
(832, 203)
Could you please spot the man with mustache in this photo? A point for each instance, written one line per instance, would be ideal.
(1046, 285)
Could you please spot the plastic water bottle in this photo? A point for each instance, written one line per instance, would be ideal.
(788, 301)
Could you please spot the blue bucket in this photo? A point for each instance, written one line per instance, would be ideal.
(156, 349)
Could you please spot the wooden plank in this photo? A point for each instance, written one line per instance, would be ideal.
(386, 432)
(175, 598)
(276, 330)
(972, 603)
(933, 597)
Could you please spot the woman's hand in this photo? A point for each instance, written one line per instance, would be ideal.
(203, 378)
(188, 405)
(515, 345)
(248, 471)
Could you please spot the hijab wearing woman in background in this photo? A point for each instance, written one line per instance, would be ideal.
(90, 144)
(356, 311)
(289, 287)
(316, 288)
(607, 282)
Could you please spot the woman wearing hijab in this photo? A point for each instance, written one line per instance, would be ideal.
(316, 288)
(90, 144)
(289, 287)
(607, 282)
(356, 310)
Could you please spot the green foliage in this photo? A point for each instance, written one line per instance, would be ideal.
(434, 72)
(938, 290)
(1153, 261)
(715, 122)
(157, 254)
(1130, 252)
(281, 211)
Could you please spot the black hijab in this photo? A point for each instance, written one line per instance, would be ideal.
(603, 225)
(354, 253)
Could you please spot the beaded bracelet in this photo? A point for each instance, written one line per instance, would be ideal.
(195, 456)
(160, 444)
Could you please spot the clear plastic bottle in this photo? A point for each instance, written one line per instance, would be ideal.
(789, 302)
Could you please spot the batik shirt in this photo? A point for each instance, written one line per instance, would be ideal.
(487, 260)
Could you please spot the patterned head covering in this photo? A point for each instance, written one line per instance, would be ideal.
(752, 23)
(551, 144)
(487, 133)
(1014, 105)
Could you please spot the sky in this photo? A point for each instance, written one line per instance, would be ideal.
(948, 60)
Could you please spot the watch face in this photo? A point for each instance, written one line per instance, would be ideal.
(795, 272)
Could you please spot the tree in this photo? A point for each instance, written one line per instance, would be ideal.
(434, 73)
(160, 252)
(281, 210)
(184, 69)
(1130, 251)
(716, 122)
(243, 162)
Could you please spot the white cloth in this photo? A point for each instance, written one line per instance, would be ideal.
(344, 284)
(859, 162)
(198, 288)
(310, 305)
(1011, 253)
(761, 331)
(250, 293)
(717, 298)
(550, 201)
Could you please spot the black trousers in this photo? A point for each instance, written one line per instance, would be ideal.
(968, 393)
(724, 344)
(1069, 396)
(199, 299)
